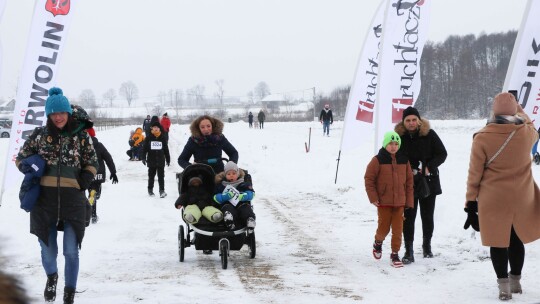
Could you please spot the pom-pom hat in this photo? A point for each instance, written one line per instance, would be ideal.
(57, 102)
(390, 137)
(504, 104)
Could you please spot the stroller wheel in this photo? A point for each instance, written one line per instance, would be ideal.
(224, 252)
(251, 245)
(181, 242)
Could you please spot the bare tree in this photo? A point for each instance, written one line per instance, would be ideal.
(220, 92)
(198, 94)
(251, 97)
(177, 103)
(87, 99)
(110, 96)
(261, 90)
(129, 91)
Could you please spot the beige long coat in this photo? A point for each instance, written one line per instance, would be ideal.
(506, 192)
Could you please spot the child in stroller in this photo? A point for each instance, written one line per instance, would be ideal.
(208, 234)
(235, 192)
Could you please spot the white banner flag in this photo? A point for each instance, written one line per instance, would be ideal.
(2, 5)
(405, 32)
(523, 73)
(43, 52)
(358, 122)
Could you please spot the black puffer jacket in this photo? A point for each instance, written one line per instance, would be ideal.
(155, 150)
(104, 157)
(422, 146)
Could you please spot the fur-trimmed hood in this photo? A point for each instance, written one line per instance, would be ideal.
(424, 128)
(217, 126)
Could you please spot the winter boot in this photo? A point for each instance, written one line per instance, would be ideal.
(162, 193)
(504, 289)
(207, 251)
(229, 220)
(394, 260)
(151, 192)
(377, 249)
(50, 287)
(408, 257)
(95, 219)
(69, 295)
(515, 285)
(426, 248)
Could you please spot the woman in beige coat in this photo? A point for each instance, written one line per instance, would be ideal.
(504, 191)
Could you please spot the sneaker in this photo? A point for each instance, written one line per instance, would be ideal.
(50, 288)
(408, 258)
(151, 192)
(95, 219)
(394, 260)
(162, 194)
(377, 249)
(188, 217)
(217, 217)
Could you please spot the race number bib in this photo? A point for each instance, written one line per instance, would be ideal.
(156, 145)
(98, 177)
(235, 194)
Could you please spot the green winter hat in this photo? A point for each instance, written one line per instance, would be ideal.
(389, 137)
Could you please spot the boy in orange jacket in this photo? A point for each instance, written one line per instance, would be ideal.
(389, 186)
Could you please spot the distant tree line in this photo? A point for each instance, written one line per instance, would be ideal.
(460, 77)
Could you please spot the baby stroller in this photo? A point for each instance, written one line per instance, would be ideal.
(208, 235)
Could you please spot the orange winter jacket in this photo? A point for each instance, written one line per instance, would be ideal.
(389, 180)
(138, 137)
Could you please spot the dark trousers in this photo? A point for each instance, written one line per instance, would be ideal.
(515, 254)
(161, 177)
(261, 124)
(240, 213)
(427, 209)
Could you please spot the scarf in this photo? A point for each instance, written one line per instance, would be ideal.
(211, 140)
(506, 119)
(234, 183)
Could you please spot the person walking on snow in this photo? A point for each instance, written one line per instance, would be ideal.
(166, 124)
(71, 164)
(261, 117)
(502, 198)
(426, 153)
(155, 154)
(326, 119)
(250, 120)
(389, 170)
(104, 157)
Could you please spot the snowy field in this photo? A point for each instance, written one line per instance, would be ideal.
(314, 237)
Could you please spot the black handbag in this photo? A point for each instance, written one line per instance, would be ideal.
(421, 187)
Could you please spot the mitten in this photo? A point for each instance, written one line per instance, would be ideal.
(144, 162)
(114, 178)
(222, 197)
(472, 216)
(85, 178)
(245, 196)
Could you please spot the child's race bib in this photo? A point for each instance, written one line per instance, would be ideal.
(156, 145)
(235, 194)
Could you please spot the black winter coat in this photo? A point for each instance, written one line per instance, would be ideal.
(423, 146)
(210, 148)
(155, 150)
(326, 116)
(104, 157)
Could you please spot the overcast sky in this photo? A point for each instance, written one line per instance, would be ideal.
(162, 44)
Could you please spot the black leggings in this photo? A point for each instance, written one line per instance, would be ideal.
(515, 254)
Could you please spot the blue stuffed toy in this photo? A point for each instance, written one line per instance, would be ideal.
(33, 168)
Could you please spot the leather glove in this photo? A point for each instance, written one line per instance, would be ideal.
(85, 178)
(114, 178)
(472, 216)
(144, 162)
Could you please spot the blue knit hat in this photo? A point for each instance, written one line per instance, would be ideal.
(57, 102)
